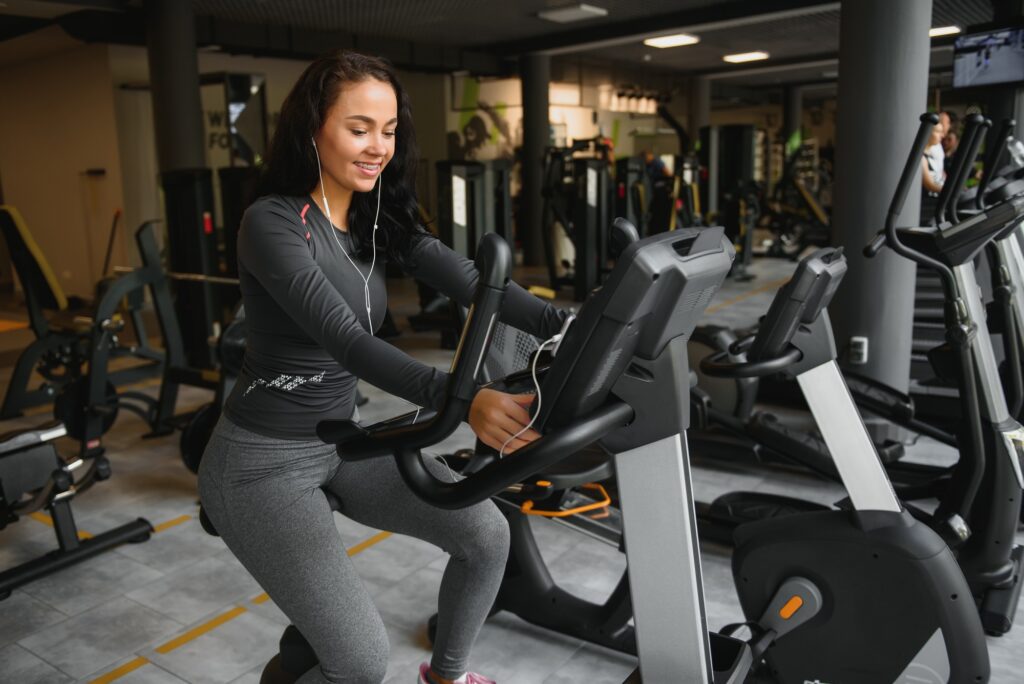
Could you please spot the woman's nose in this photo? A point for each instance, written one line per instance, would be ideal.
(378, 145)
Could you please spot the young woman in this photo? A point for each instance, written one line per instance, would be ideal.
(337, 201)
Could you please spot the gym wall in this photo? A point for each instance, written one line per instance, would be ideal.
(57, 123)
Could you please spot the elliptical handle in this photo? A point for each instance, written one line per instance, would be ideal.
(912, 172)
(995, 148)
(968, 166)
(960, 160)
(912, 169)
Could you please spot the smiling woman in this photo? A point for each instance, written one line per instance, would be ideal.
(336, 199)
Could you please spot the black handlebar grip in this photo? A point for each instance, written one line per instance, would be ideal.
(972, 126)
(875, 246)
(912, 169)
(494, 262)
(967, 166)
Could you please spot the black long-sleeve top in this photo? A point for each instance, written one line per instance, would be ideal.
(309, 338)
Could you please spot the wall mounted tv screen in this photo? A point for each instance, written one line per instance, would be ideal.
(989, 58)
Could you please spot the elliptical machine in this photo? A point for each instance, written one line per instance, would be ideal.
(983, 500)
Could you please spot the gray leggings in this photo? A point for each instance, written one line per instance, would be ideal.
(265, 496)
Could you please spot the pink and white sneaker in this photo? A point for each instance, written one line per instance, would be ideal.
(468, 678)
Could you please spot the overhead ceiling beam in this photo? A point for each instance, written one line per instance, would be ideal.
(721, 15)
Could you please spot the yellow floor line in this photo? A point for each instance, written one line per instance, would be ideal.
(201, 630)
(130, 666)
(216, 622)
(47, 520)
(355, 550)
(172, 523)
(362, 546)
(767, 287)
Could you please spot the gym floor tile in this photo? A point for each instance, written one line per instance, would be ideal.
(591, 664)
(175, 548)
(197, 591)
(21, 666)
(250, 677)
(99, 637)
(389, 562)
(590, 571)
(22, 615)
(410, 603)
(148, 673)
(409, 648)
(511, 650)
(222, 654)
(92, 582)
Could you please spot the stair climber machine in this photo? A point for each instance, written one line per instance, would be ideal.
(862, 595)
(983, 498)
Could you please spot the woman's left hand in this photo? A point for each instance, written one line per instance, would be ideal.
(496, 416)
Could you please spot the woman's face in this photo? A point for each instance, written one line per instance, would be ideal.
(357, 139)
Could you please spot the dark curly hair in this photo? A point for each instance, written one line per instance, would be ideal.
(291, 168)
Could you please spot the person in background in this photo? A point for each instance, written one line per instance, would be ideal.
(950, 123)
(933, 172)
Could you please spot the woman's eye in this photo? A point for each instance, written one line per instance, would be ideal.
(356, 131)
(389, 134)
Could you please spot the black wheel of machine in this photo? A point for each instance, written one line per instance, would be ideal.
(273, 673)
(71, 406)
(196, 434)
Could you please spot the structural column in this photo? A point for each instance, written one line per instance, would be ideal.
(536, 76)
(174, 83)
(186, 182)
(883, 83)
(700, 106)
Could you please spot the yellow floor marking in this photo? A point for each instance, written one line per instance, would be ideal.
(362, 546)
(767, 287)
(130, 666)
(47, 520)
(216, 622)
(201, 630)
(172, 523)
(357, 549)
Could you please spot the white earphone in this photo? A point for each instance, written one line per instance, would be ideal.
(327, 210)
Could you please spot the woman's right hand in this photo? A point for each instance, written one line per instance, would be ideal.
(496, 416)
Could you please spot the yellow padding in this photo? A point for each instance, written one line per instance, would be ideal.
(541, 291)
(200, 630)
(37, 254)
(130, 666)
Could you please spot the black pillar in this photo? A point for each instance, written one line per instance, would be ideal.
(882, 92)
(186, 182)
(536, 77)
(792, 111)
(174, 83)
(699, 114)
